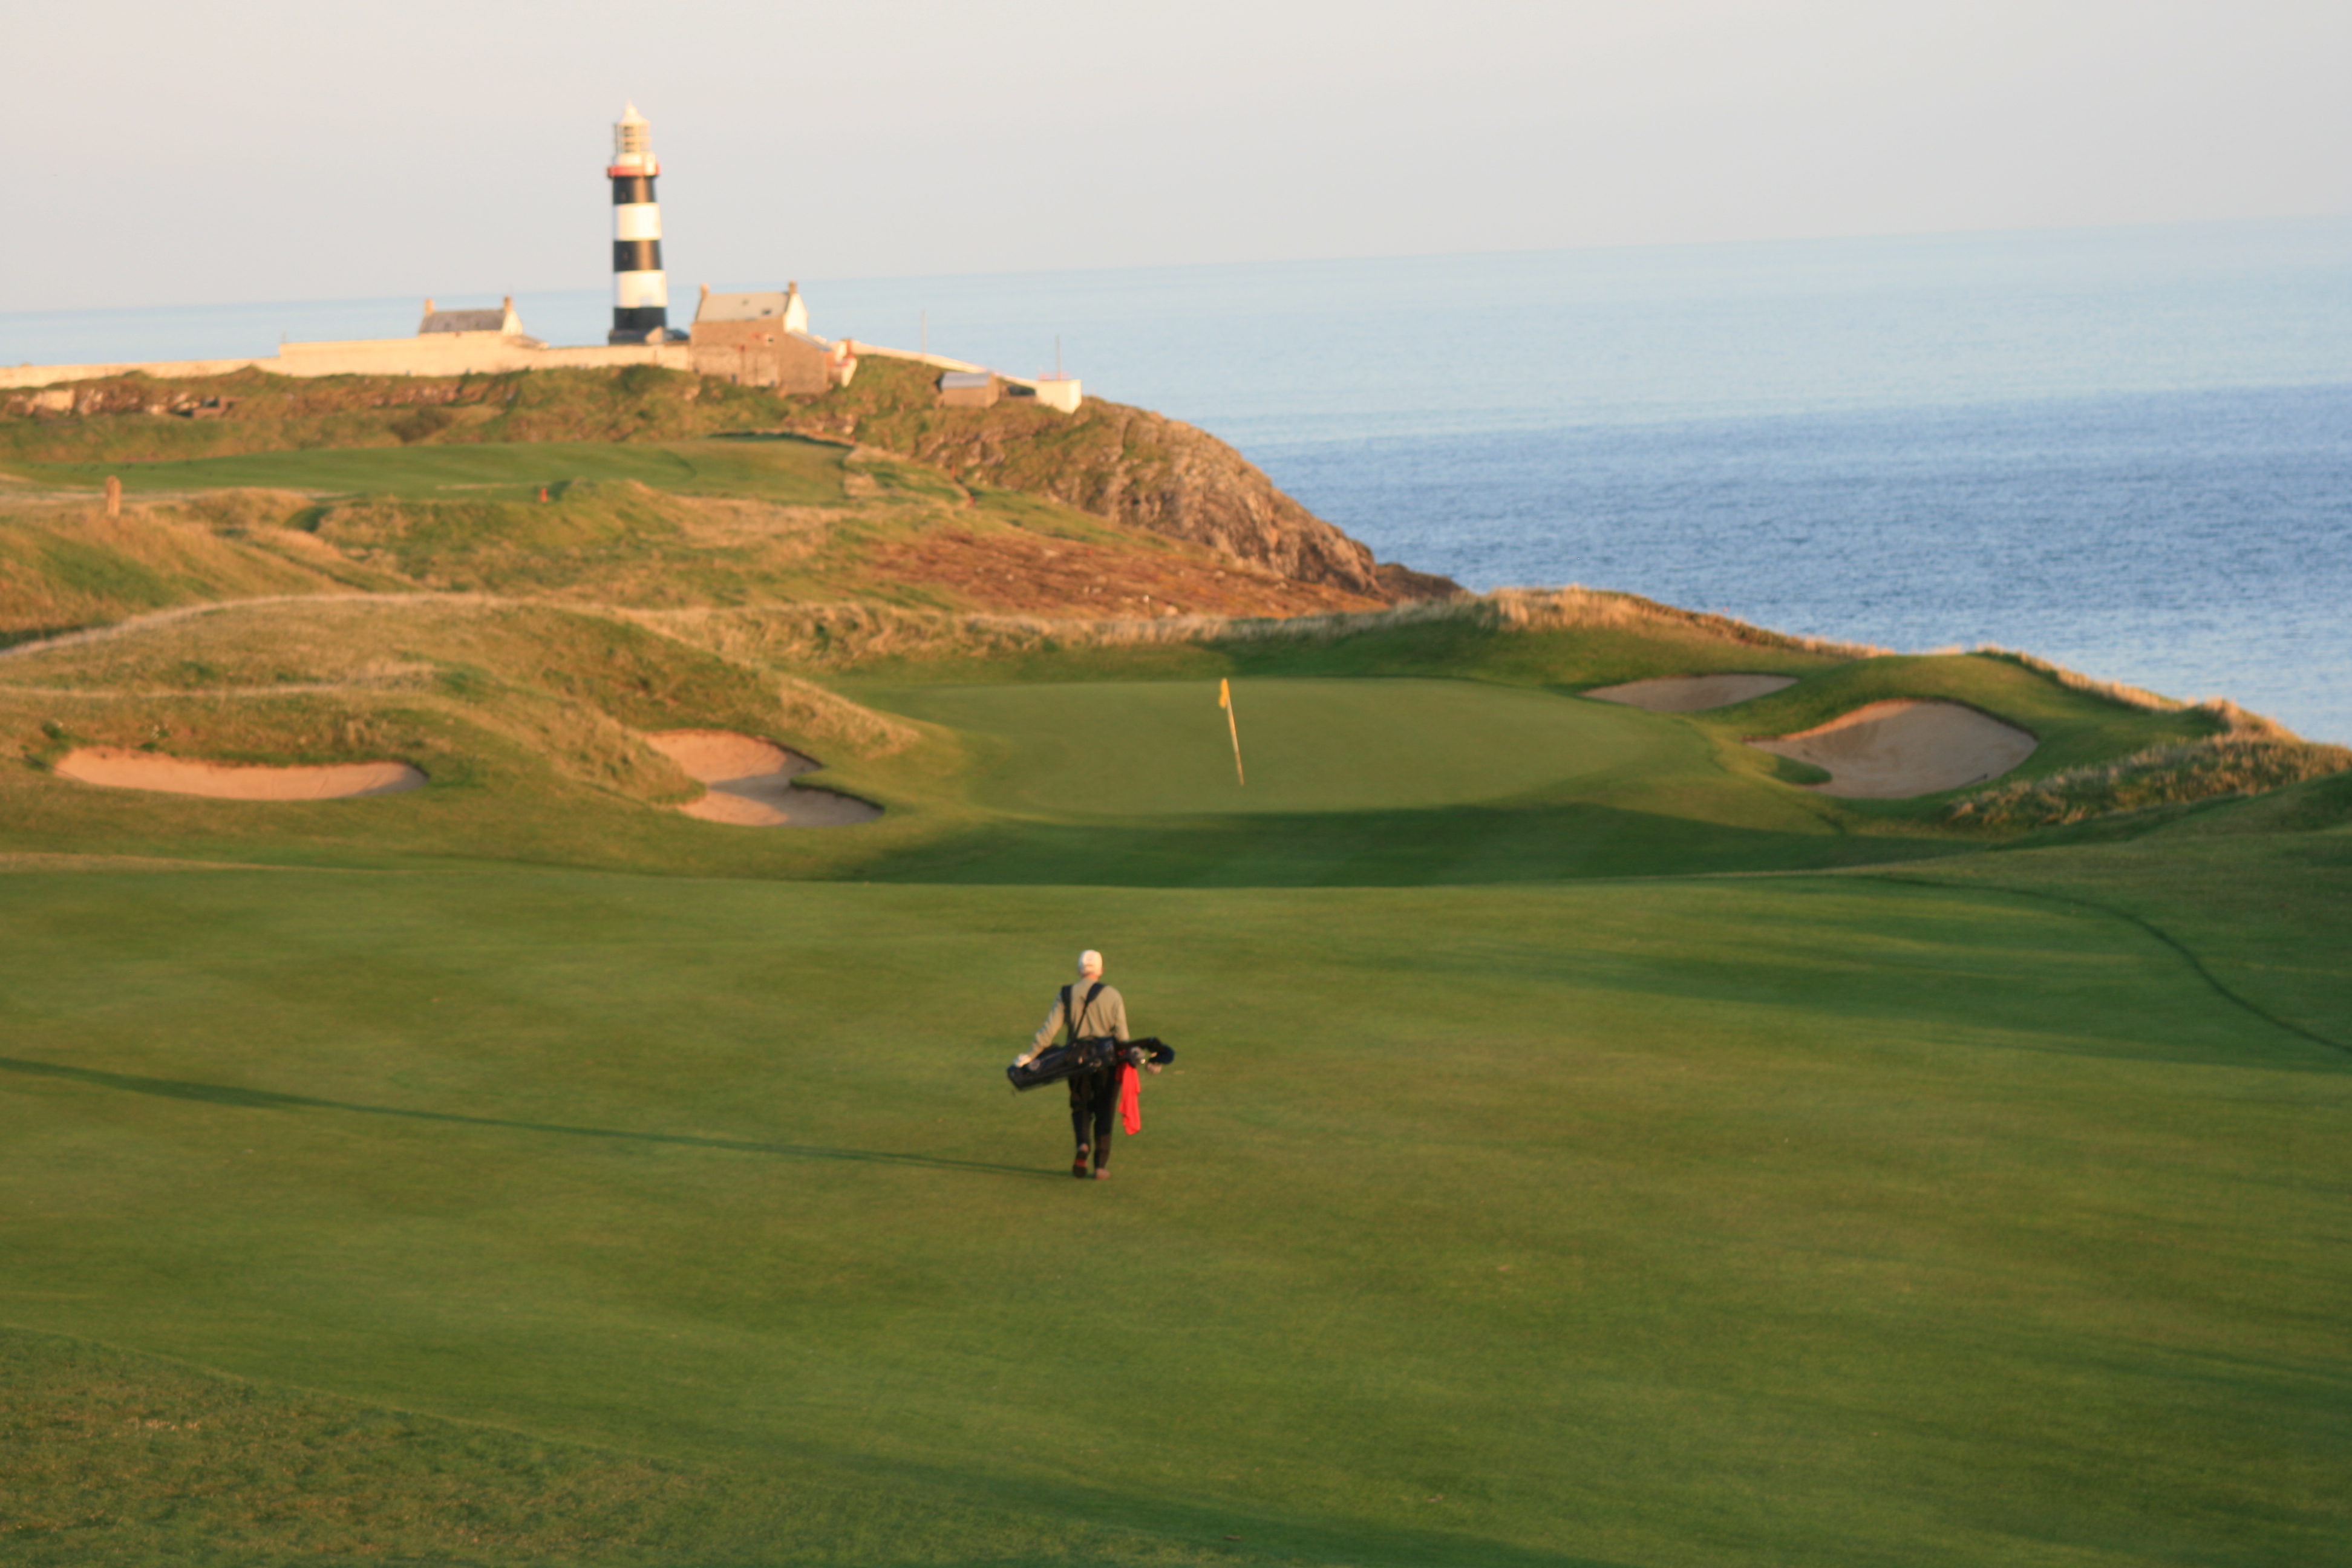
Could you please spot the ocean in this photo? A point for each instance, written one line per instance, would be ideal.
(2126, 449)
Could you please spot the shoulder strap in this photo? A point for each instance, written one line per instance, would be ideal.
(1081, 1010)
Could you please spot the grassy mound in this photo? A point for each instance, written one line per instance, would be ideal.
(2216, 767)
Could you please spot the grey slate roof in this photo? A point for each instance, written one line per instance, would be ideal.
(464, 322)
(760, 307)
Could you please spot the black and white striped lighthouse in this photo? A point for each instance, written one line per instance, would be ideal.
(640, 289)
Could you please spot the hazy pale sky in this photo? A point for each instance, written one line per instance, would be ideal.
(175, 154)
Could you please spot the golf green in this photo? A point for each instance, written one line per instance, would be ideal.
(1163, 749)
(1823, 1219)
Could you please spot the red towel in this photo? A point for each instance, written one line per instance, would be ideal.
(1130, 1099)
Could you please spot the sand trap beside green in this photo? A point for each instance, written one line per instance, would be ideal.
(1691, 694)
(118, 767)
(750, 782)
(1891, 751)
(1142, 749)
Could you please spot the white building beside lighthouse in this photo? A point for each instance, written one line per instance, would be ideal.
(753, 339)
(640, 287)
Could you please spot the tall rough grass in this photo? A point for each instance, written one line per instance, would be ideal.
(2226, 716)
(811, 711)
(2251, 760)
(839, 636)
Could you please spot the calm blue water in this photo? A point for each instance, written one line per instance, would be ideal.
(2129, 450)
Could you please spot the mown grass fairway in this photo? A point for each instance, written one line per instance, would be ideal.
(1829, 1220)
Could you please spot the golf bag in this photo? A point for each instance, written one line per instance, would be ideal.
(1058, 1062)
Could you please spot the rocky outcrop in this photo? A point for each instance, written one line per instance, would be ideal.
(1127, 464)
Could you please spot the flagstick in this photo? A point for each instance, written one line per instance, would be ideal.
(1225, 701)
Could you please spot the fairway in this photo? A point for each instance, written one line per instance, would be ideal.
(1155, 749)
(804, 471)
(1828, 1219)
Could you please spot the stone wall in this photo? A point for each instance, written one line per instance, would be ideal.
(442, 353)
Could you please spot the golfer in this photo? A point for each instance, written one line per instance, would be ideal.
(1091, 1010)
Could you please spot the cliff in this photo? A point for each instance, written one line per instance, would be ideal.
(1126, 464)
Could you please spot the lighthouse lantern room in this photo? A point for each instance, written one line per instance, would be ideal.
(640, 287)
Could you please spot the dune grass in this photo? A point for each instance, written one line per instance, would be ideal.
(1630, 1222)
(2181, 774)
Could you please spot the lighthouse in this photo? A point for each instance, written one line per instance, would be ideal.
(640, 289)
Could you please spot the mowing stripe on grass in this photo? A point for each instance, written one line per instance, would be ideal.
(2195, 965)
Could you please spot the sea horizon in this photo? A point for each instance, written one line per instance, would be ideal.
(2127, 449)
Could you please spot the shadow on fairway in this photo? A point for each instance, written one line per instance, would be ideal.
(1237, 1535)
(1461, 846)
(2178, 948)
(266, 1100)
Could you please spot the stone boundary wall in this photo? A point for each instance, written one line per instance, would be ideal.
(474, 353)
(1063, 394)
(442, 353)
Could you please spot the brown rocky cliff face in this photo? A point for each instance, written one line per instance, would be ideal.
(1126, 464)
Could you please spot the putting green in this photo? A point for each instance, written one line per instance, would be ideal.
(1163, 749)
(1824, 1219)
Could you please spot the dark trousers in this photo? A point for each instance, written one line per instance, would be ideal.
(1093, 1097)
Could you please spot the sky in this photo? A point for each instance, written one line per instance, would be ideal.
(259, 149)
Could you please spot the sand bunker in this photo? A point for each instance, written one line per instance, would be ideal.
(750, 782)
(1691, 694)
(117, 767)
(1891, 751)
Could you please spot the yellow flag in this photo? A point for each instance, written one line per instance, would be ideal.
(1225, 701)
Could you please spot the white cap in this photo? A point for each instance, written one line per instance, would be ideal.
(1090, 961)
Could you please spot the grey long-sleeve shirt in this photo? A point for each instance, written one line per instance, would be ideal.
(1108, 1015)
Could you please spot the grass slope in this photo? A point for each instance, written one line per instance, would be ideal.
(759, 522)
